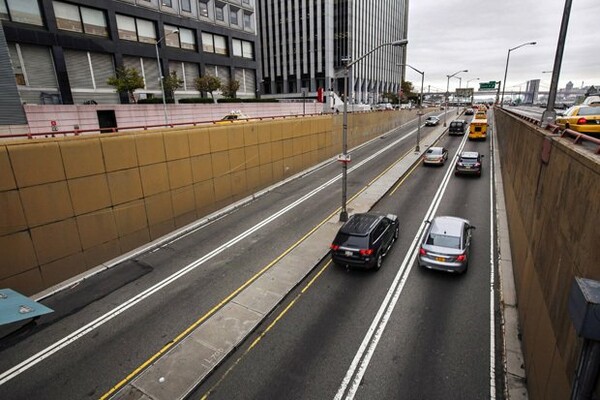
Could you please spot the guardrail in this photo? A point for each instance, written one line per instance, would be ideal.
(578, 137)
(77, 132)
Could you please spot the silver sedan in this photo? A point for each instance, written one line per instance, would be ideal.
(435, 156)
(446, 244)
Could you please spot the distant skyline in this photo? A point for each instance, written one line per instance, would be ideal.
(449, 36)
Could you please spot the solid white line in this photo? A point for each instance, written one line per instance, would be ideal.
(64, 342)
(363, 356)
(492, 273)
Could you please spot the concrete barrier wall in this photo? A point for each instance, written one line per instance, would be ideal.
(553, 214)
(69, 204)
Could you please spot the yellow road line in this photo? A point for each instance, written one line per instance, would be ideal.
(404, 178)
(188, 330)
(264, 333)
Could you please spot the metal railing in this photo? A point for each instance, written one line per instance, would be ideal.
(578, 137)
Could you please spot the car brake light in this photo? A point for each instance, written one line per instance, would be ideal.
(422, 251)
(581, 121)
(365, 252)
(461, 257)
(477, 164)
(334, 247)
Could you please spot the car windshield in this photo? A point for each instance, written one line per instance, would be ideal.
(589, 111)
(444, 241)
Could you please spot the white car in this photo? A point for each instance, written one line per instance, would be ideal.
(432, 121)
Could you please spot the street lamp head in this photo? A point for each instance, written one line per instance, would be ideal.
(402, 42)
(532, 43)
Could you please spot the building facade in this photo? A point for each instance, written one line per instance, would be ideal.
(63, 52)
(305, 43)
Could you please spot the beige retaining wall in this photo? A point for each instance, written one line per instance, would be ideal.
(553, 215)
(69, 204)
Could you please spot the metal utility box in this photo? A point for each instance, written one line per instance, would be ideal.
(584, 308)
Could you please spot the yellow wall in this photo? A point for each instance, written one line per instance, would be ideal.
(69, 204)
(553, 216)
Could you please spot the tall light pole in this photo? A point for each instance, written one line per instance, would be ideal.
(472, 95)
(420, 112)
(549, 116)
(459, 85)
(344, 158)
(161, 75)
(448, 92)
(506, 69)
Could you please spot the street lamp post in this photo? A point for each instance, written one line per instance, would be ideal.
(420, 112)
(459, 85)
(549, 115)
(344, 159)
(472, 95)
(506, 69)
(448, 92)
(161, 75)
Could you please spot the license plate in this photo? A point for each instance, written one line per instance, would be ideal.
(348, 253)
(441, 259)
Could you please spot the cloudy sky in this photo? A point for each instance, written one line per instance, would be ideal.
(452, 35)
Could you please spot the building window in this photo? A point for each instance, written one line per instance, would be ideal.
(242, 48)
(214, 43)
(220, 12)
(80, 19)
(167, 3)
(136, 29)
(186, 39)
(186, 5)
(203, 6)
(247, 21)
(246, 2)
(233, 16)
(23, 11)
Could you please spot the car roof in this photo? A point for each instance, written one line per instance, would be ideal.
(469, 154)
(360, 224)
(461, 121)
(448, 225)
(435, 149)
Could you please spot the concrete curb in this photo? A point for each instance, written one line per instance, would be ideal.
(515, 380)
(183, 366)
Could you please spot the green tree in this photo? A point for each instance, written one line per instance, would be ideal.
(392, 97)
(230, 88)
(408, 92)
(208, 84)
(171, 83)
(126, 80)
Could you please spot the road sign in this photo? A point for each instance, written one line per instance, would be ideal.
(487, 85)
(464, 92)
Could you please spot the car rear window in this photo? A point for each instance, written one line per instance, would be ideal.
(589, 111)
(468, 160)
(444, 240)
(343, 239)
(434, 151)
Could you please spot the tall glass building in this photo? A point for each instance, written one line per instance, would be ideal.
(304, 43)
(64, 51)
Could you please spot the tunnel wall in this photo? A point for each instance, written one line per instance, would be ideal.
(552, 190)
(70, 204)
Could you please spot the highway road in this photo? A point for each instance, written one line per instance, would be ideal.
(401, 332)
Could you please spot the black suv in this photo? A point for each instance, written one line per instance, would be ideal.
(364, 240)
(457, 127)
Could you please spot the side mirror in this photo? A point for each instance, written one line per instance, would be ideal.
(472, 227)
(482, 155)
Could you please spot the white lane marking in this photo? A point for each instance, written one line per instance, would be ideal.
(492, 273)
(64, 342)
(363, 356)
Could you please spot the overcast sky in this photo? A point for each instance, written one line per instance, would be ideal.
(452, 35)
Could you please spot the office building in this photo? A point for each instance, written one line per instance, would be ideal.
(63, 52)
(304, 43)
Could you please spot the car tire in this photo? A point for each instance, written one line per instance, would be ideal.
(378, 262)
(397, 233)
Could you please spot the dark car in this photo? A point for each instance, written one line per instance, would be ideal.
(469, 162)
(446, 245)
(457, 127)
(432, 121)
(469, 111)
(364, 240)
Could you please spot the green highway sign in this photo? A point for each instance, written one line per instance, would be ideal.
(487, 85)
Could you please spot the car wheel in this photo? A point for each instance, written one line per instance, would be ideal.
(378, 262)
(396, 232)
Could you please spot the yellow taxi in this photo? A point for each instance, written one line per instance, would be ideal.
(233, 116)
(582, 118)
